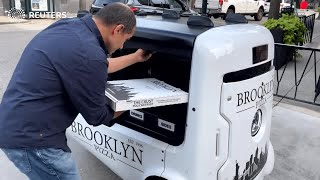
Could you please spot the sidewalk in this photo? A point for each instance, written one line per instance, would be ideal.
(28, 24)
(295, 138)
(7, 20)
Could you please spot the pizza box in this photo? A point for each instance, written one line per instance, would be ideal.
(131, 94)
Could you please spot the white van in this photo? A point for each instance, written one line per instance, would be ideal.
(218, 8)
(221, 133)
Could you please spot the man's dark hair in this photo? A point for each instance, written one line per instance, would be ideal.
(117, 13)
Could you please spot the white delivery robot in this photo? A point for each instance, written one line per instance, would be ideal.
(222, 133)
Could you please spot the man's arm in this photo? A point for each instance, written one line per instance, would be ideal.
(84, 83)
(118, 63)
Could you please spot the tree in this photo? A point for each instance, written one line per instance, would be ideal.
(297, 4)
(274, 11)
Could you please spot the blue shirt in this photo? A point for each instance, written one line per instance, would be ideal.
(62, 72)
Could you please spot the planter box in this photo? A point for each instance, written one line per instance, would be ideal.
(282, 54)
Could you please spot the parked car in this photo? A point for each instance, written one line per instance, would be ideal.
(145, 6)
(98, 4)
(266, 7)
(220, 8)
(283, 4)
(156, 6)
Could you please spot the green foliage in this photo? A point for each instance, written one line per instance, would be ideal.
(293, 28)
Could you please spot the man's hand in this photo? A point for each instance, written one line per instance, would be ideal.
(118, 63)
(142, 55)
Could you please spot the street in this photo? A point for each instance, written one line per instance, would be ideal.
(295, 131)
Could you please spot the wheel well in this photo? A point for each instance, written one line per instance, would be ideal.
(233, 8)
(261, 7)
(155, 178)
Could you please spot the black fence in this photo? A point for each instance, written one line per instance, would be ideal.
(294, 64)
(297, 78)
(309, 23)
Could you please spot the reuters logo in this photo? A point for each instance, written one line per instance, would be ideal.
(16, 15)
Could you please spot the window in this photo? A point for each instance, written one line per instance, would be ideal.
(105, 2)
(145, 2)
(167, 4)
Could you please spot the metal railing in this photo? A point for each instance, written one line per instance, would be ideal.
(293, 79)
(308, 21)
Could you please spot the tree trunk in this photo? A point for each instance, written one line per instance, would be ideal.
(297, 4)
(274, 9)
(82, 5)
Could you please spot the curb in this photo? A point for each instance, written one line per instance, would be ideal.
(2, 23)
(7, 20)
(299, 109)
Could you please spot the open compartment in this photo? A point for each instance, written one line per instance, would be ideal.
(170, 63)
(166, 123)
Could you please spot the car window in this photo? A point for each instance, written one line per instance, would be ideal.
(174, 4)
(153, 2)
(145, 2)
(161, 3)
(102, 2)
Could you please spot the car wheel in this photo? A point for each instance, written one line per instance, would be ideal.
(229, 11)
(259, 15)
(216, 16)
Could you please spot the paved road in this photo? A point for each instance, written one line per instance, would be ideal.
(295, 135)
